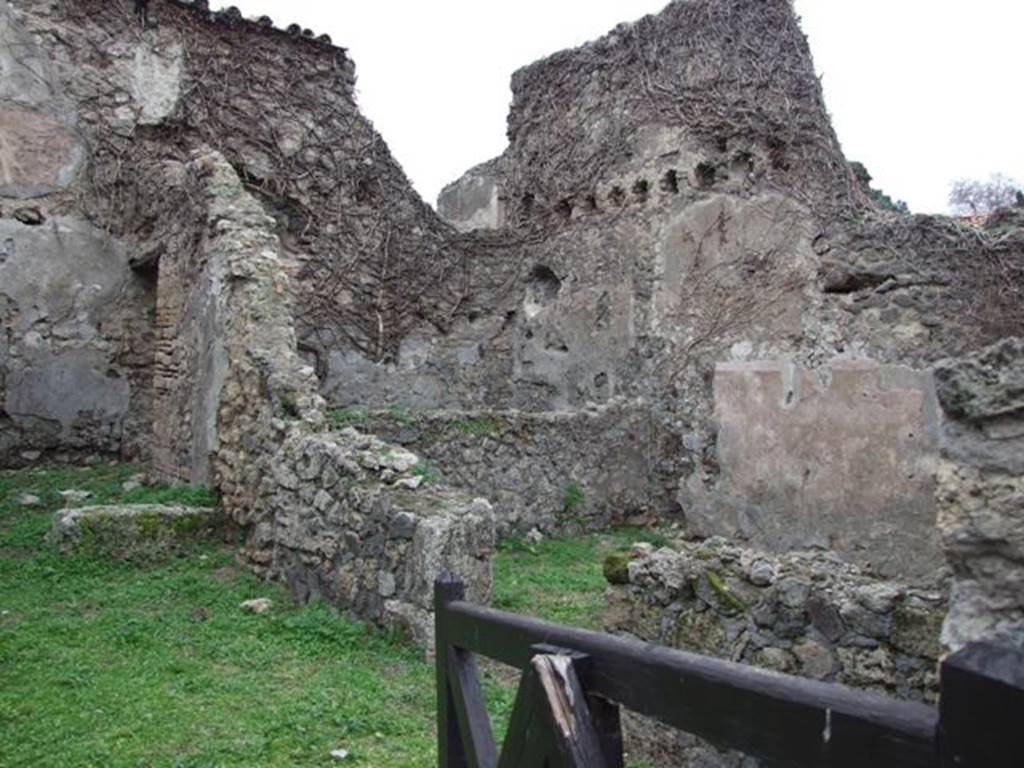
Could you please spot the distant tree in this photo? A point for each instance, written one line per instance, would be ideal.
(973, 196)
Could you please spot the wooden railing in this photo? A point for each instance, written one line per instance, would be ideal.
(566, 711)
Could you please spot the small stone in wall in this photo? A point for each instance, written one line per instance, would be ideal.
(73, 496)
(761, 574)
(641, 550)
(386, 584)
(793, 593)
(403, 526)
(258, 605)
(534, 536)
(816, 660)
(880, 598)
(412, 483)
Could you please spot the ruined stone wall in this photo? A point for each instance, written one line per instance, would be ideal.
(804, 613)
(556, 472)
(338, 516)
(94, 104)
(683, 208)
(76, 337)
(981, 494)
(352, 524)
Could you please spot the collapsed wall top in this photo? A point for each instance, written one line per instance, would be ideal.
(728, 84)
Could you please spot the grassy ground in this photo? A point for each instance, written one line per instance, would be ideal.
(108, 664)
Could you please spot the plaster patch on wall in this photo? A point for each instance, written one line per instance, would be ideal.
(842, 462)
(156, 82)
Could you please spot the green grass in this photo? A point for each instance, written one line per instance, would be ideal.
(340, 418)
(427, 471)
(113, 664)
(560, 579)
(484, 426)
(572, 497)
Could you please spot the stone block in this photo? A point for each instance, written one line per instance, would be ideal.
(137, 532)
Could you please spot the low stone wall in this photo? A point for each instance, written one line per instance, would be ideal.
(805, 613)
(355, 524)
(136, 532)
(553, 470)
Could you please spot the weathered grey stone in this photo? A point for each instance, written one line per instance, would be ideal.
(986, 386)
(259, 605)
(74, 496)
(474, 201)
(816, 660)
(668, 600)
(156, 82)
(879, 598)
(133, 531)
(980, 496)
(824, 618)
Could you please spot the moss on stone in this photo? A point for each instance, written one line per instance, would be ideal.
(149, 526)
(616, 568)
(484, 426)
(701, 632)
(727, 601)
(144, 535)
(916, 630)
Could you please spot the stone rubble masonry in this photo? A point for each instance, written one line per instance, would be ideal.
(554, 471)
(981, 493)
(351, 524)
(341, 516)
(803, 613)
(647, 230)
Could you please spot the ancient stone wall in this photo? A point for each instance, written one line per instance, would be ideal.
(339, 516)
(805, 613)
(673, 223)
(352, 524)
(554, 471)
(981, 493)
(76, 336)
(94, 106)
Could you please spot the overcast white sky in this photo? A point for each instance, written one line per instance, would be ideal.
(921, 91)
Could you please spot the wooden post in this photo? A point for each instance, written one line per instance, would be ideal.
(448, 587)
(981, 709)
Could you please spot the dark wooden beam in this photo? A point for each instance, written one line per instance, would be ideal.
(981, 709)
(450, 752)
(786, 720)
(470, 710)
